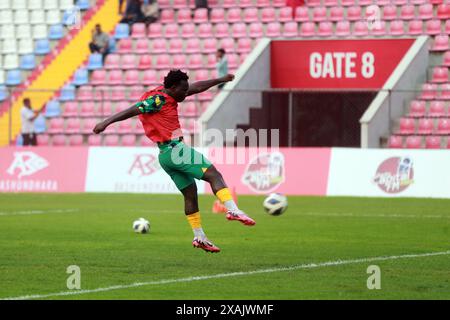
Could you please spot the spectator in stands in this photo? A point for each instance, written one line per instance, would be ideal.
(222, 65)
(28, 115)
(133, 12)
(150, 9)
(201, 4)
(100, 41)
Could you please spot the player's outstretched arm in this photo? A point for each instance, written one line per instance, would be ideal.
(201, 86)
(123, 115)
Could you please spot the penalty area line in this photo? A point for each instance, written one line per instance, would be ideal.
(230, 274)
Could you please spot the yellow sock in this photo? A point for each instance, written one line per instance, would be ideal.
(195, 220)
(224, 195)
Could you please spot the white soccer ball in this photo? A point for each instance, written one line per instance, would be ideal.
(275, 204)
(141, 226)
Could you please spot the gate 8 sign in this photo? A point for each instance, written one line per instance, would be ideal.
(335, 63)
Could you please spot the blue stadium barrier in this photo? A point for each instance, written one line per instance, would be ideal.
(52, 109)
(112, 45)
(39, 124)
(28, 62)
(81, 77)
(83, 4)
(42, 47)
(56, 32)
(13, 78)
(67, 93)
(122, 31)
(95, 61)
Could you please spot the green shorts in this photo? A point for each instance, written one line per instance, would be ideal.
(182, 163)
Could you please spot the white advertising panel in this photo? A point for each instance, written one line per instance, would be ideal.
(389, 173)
(134, 170)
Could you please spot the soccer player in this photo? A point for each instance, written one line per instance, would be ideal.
(157, 110)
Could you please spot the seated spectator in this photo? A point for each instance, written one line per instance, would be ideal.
(133, 12)
(28, 116)
(201, 4)
(150, 10)
(222, 65)
(100, 41)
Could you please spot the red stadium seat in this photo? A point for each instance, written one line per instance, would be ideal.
(443, 11)
(59, 140)
(163, 62)
(101, 93)
(73, 125)
(443, 126)
(138, 30)
(171, 30)
(155, 30)
(395, 142)
(325, 29)
(125, 127)
(234, 15)
(365, 2)
(167, 16)
(233, 61)
(146, 142)
(201, 75)
(43, 139)
(314, 3)
(228, 44)
(106, 109)
(389, 12)
(361, 28)
(336, 14)
(251, 15)
(229, 3)
(239, 30)
(222, 30)
(112, 61)
(440, 75)
(319, 14)
(437, 108)
(445, 91)
(307, 29)
(111, 140)
(440, 43)
(446, 59)
(76, 140)
(263, 3)
(407, 12)
(330, 3)
(121, 106)
(56, 125)
(415, 27)
(159, 47)
(201, 15)
(417, 109)
(397, 27)
(205, 30)
(244, 45)
(118, 94)
(87, 109)
(142, 46)
(406, 126)
(179, 4)
(426, 126)
(179, 61)
(273, 30)
(196, 61)
(95, 140)
(145, 62)
(209, 45)
(128, 62)
(342, 28)
(268, 15)
(433, 27)
(447, 27)
(378, 28)
(85, 93)
(285, 14)
(347, 3)
(218, 15)
(131, 77)
(136, 92)
(354, 13)
(278, 3)
(212, 61)
(149, 78)
(128, 140)
(290, 29)
(193, 45)
(413, 142)
(189, 109)
(428, 91)
(184, 16)
(256, 30)
(115, 77)
(433, 142)
(301, 14)
(175, 46)
(425, 11)
(125, 46)
(70, 109)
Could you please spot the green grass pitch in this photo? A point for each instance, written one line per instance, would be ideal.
(42, 234)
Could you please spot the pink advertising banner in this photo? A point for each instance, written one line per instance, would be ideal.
(43, 169)
(291, 171)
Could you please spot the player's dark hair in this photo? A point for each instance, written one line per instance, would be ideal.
(221, 50)
(174, 77)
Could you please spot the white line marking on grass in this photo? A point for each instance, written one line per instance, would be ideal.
(231, 274)
(31, 212)
(376, 215)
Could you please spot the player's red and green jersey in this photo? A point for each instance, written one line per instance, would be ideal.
(159, 115)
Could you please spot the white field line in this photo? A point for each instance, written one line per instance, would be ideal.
(377, 215)
(31, 212)
(229, 275)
